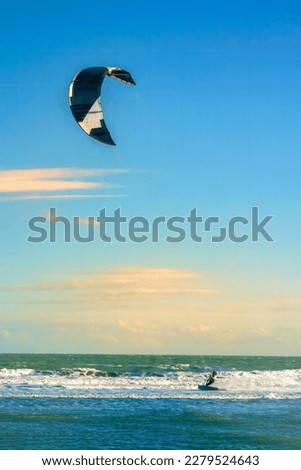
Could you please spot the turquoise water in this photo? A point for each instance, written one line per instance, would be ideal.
(149, 402)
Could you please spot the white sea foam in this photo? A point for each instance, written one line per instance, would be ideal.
(89, 382)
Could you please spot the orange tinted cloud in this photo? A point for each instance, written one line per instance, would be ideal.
(53, 179)
(129, 283)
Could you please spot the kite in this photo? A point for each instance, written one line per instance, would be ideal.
(85, 102)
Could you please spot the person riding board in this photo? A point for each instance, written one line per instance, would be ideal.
(211, 379)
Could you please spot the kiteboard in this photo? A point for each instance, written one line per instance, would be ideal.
(208, 388)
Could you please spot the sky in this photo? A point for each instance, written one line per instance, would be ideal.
(213, 124)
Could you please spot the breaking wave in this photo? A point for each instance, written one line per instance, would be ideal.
(165, 382)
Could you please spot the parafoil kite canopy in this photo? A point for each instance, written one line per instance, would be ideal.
(84, 99)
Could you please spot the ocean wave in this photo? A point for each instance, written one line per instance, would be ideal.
(256, 384)
(146, 394)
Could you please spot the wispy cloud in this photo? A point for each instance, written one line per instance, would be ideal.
(86, 221)
(59, 196)
(128, 283)
(35, 182)
(144, 281)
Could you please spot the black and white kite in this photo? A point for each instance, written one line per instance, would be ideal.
(84, 99)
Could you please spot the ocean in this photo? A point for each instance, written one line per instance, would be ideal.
(70, 401)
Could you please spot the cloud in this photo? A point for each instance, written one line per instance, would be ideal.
(59, 196)
(130, 283)
(199, 328)
(144, 281)
(5, 333)
(149, 309)
(34, 183)
(85, 221)
(137, 327)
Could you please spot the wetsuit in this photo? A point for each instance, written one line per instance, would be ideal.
(211, 379)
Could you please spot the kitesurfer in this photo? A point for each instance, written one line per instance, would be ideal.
(211, 379)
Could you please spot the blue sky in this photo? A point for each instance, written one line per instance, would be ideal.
(213, 123)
